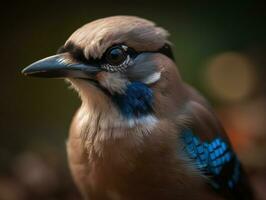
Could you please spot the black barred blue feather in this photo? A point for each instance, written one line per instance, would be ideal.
(215, 159)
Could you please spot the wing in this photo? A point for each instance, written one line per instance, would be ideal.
(206, 143)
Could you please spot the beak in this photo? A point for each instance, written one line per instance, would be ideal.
(60, 66)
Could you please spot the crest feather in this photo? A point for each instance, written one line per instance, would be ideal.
(141, 34)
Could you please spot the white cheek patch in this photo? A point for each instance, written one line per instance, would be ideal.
(152, 78)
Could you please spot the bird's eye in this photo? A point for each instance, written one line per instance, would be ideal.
(115, 56)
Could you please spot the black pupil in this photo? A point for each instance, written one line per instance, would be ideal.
(116, 56)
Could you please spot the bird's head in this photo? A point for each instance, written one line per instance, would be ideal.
(120, 61)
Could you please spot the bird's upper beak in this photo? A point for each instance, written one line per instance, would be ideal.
(60, 66)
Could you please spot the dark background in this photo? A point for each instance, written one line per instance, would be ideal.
(220, 48)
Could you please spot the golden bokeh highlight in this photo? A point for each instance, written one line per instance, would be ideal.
(230, 76)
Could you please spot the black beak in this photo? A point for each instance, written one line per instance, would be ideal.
(60, 66)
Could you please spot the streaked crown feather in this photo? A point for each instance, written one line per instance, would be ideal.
(96, 37)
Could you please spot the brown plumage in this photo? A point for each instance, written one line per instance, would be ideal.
(115, 156)
(120, 162)
(95, 37)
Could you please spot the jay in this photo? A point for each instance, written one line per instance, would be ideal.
(141, 132)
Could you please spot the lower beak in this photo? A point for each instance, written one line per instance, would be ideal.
(60, 66)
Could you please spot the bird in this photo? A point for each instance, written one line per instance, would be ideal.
(141, 132)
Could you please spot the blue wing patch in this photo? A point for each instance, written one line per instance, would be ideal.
(215, 159)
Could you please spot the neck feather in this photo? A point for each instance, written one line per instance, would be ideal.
(136, 102)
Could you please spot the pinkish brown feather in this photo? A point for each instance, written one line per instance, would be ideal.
(135, 32)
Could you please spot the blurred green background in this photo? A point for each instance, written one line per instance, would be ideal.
(220, 48)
